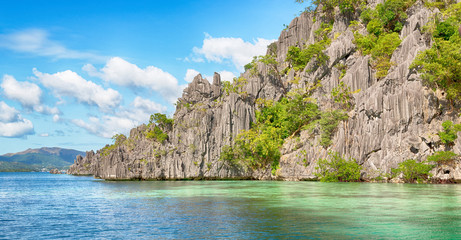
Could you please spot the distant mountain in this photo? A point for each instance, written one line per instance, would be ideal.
(38, 159)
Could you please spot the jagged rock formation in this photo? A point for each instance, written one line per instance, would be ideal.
(394, 118)
(206, 119)
(55, 171)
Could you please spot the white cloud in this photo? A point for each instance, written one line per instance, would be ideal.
(56, 118)
(190, 74)
(140, 110)
(7, 113)
(46, 110)
(147, 105)
(124, 73)
(37, 42)
(28, 94)
(71, 84)
(16, 129)
(233, 49)
(227, 76)
(107, 126)
(12, 124)
(44, 135)
(124, 120)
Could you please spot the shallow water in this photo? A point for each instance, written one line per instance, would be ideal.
(44, 206)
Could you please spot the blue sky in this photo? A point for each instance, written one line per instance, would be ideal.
(74, 73)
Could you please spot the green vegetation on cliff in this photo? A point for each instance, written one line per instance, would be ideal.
(118, 140)
(383, 24)
(442, 157)
(276, 121)
(449, 133)
(299, 58)
(441, 64)
(158, 125)
(259, 146)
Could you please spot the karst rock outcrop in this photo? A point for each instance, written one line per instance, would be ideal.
(393, 118)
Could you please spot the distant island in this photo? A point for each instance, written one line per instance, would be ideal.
(40, 159)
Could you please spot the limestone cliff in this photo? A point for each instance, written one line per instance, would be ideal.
(393, 119)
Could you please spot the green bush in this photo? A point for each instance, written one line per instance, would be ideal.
(383, 24)
(328, 123)
(161, 124)
(236, 85)
(157, 134)
(342, 95)
(413, 171)
(445, 30)
(380, 48)
(118, 140)
(249, 66)
(345, 6)
(441, 157)
(375, 27)
(338, 169)
(441, 64)
(162, 120)
(298, 58)
(449, 133)
(275, 122)
(392, 13)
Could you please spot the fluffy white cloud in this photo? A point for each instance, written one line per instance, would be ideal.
(12, 124)
(190, 74)
(7, 113)
(28, 94)
(37, 42)
(124, 120)
(147, 106)
(71, 84)
(56, 118)
(233, 49)
(226, 76)
(107, 126)
(124, 73)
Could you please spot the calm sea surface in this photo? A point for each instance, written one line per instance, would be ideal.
(45, 206)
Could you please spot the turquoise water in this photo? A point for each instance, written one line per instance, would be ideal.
(45, 206)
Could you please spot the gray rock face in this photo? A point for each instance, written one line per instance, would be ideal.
(83, 165)
(394, 118)
(207, 118)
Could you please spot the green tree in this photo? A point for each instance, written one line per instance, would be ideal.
(338, 169)
(413, 171)
(449, 133)
(442, 157)
(441, 64)
(158, 125)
